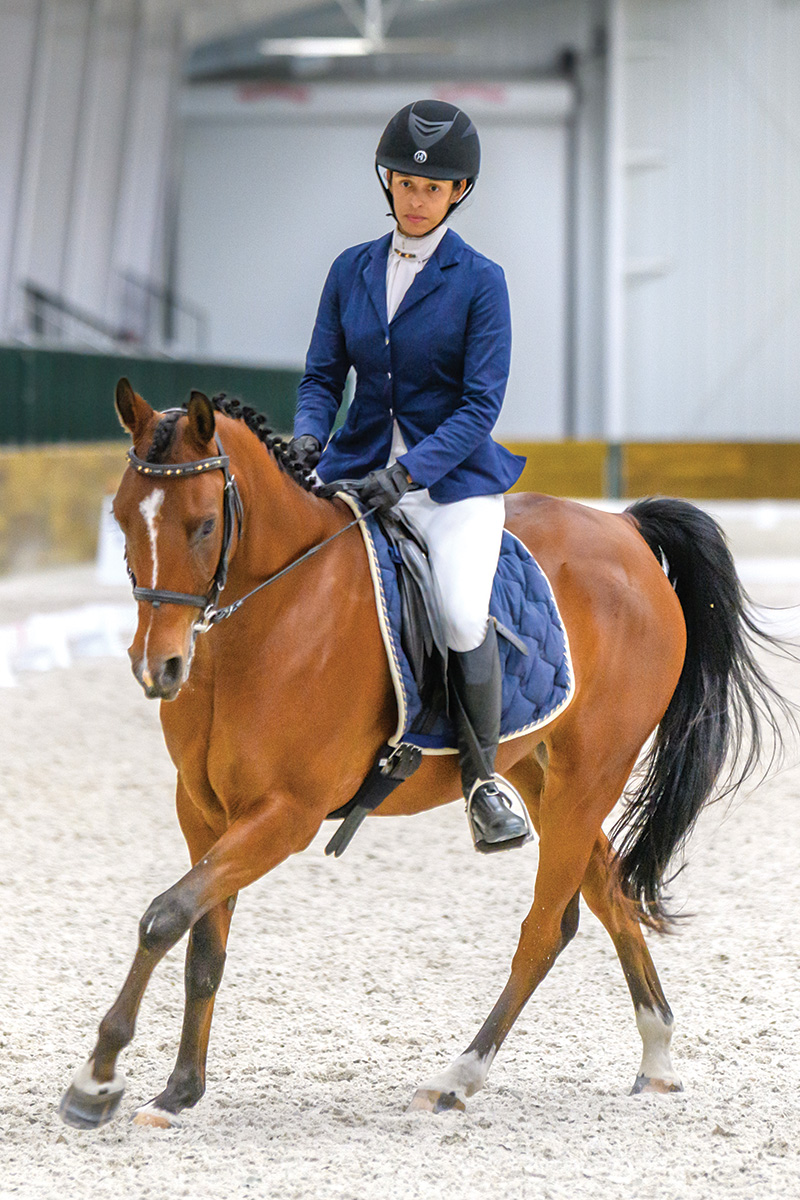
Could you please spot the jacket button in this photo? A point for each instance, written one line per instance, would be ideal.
(388, 374)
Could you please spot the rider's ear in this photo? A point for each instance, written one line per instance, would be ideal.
(201, 418)
(133, 412)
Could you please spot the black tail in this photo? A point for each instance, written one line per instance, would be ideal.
(723, 713)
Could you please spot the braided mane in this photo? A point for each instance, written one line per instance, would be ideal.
(162, 438)
(256, 422)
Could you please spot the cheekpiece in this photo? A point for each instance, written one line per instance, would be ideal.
(232, 513)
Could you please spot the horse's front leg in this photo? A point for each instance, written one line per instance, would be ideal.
(252, 846)
(568, 831)
(205, 962)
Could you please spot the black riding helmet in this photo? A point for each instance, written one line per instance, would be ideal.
(433, 139)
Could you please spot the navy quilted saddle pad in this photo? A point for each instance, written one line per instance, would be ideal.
(536, 686)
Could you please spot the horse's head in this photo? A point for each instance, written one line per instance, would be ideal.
(171, 507)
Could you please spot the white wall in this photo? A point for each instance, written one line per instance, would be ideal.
(274, 187)
(20, 26)
(89, 91)
(712, 219)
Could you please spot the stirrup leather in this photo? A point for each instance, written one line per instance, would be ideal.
(514, 831)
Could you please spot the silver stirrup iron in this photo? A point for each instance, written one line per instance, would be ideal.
(511, 797)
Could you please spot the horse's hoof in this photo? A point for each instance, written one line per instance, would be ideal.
(426, 1100)
(87, 1104)
(153, 1117)
(659, 1087)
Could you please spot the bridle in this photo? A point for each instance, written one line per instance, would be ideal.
(233, 512)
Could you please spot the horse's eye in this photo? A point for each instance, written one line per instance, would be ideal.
(207, 527)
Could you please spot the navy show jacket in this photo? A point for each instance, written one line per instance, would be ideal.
(439, 369)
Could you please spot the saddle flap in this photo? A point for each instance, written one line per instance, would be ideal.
(422, 623)
(415, 560)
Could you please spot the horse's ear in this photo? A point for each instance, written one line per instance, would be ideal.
(133, 412)
(201, 418)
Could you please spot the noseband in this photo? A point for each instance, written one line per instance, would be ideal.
(232, 512)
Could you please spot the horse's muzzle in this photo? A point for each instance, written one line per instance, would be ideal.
(163, 679)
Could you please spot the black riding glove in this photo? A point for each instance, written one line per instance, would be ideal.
(383, 489)
(304, 452)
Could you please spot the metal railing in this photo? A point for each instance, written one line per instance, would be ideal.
(51, 317)
(152, 316)
(160, 315)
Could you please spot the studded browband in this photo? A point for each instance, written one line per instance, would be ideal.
(220, 462)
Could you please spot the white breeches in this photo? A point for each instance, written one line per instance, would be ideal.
(463, 543)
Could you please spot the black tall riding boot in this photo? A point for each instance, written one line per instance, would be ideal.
(476, 685)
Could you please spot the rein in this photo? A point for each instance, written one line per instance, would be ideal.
(232, 510)
(221, 614)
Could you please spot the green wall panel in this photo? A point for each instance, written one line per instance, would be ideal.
(51, 396)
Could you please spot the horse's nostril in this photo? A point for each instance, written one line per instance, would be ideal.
(172, 672)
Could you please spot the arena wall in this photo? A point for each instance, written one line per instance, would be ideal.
(51, 496)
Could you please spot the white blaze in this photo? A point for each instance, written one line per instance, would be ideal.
(150, 508)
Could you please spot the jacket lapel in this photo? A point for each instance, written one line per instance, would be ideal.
(375, 277)
(431, 276)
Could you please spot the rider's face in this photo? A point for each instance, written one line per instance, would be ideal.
(421, 204)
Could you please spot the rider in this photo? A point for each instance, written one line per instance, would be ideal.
(424, 320)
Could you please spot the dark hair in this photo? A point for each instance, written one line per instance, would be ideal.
(433, 179)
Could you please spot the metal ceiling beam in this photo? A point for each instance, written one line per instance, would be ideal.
(373, 19)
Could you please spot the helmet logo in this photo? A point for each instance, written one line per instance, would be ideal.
(421, 156)
(427, 133)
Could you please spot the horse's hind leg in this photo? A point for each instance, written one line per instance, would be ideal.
(572, 807)
(654, 1019)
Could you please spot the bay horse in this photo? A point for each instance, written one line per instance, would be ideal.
(274, 716)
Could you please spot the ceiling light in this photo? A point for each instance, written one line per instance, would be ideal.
(315, 47)
(342, 47)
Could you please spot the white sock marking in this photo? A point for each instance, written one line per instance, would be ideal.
(465, 1076)
(151, 1114)
(85, 1081)
(656, 1036)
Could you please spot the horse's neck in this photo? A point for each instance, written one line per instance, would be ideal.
(281, 520)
